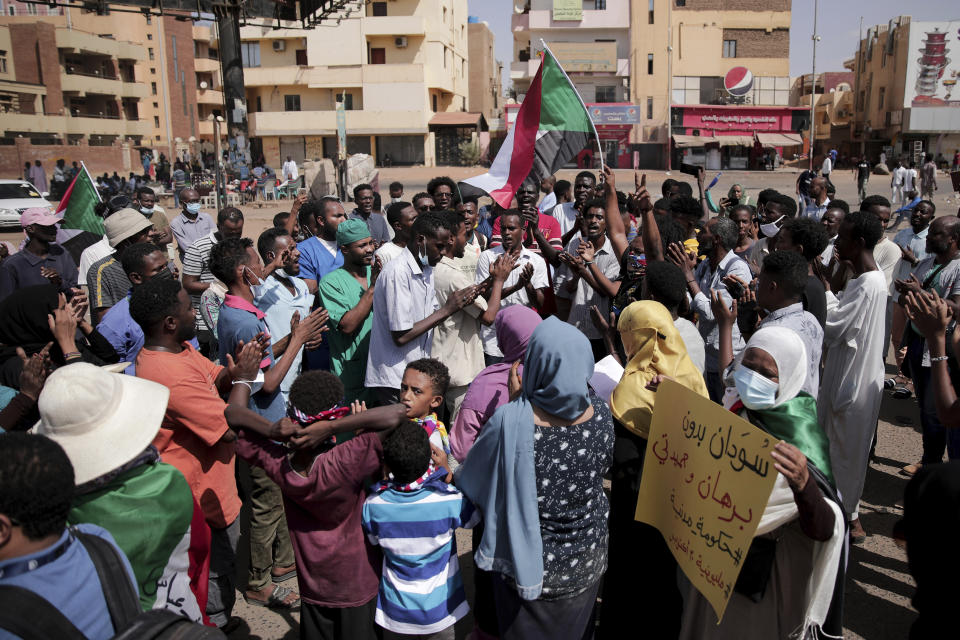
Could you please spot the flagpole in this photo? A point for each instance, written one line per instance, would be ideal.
(92, 181)
(596, 136)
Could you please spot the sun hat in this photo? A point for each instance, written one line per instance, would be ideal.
(38, 215)
(101, 419)
(124, 224)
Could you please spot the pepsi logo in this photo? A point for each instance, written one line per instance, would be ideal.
(738, 81)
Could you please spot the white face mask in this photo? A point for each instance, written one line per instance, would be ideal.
(771, 229)
(257, 280)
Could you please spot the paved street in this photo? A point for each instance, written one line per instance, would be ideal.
(878, 586)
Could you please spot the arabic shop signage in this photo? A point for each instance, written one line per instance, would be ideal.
(568, 10)
(707, 477)
(614, 114)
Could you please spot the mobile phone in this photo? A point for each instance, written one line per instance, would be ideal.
(690, 169)
(735, 289)
(302, 191)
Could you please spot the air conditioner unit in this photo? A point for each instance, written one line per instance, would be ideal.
(279, 45)
(401, 42)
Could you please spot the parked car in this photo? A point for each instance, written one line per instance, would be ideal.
(15, 197)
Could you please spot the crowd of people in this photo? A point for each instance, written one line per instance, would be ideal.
(389, 375)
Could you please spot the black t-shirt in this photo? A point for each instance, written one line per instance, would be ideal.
(863, 171)
(815, 300)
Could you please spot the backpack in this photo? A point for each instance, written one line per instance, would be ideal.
(32, 617)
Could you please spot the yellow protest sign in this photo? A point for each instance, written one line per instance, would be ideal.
(707, 476)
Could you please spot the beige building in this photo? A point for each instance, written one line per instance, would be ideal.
(681, 53)
(485, 88)
(905, 101)
(130, 77)
(209, 83)
(393, 64)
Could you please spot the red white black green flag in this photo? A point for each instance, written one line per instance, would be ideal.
(552, 127)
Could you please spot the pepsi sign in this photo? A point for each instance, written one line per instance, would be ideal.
(738, 82)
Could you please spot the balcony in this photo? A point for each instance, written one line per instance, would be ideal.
(134, 90)
(615, 16)
(207, 65)
(205, 127)
(210, 96)
(95, 124)
(33, 122)
(394, 26)
(318, 123)
(83, 42)
(313, 77)
(82, 83)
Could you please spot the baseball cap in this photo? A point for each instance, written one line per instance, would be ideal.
(38, 215)
(124, 224)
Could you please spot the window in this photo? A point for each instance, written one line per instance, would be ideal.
(649, 64)
(729, 48)
(291, 103)
(156, 105)
(301, 55)
(12, 10)
(153, 88)
(600, 5)
(606, 94)
(434, 103)
(153, 71)
(250, 54)
(681, 3)
(649, 108)
(347, 99)
(881, 96)
(444, 15)
(156, 122)
(150, 52)
(3, 61)
(149, 19)
(650, 12)
(378, 55)
(259, 104)
(32, 9)
(379, 8)
(149, 36)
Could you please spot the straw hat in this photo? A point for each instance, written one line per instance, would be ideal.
(101, 419)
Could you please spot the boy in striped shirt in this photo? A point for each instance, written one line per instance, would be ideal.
(413, 515)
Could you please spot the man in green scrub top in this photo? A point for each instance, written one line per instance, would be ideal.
(347, 295)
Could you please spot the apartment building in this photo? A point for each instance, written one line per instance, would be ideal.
(904, 82)
(592, 43)
(484, 72)
(396, 66)
(713, 87)
(122, 78)
(209, 83)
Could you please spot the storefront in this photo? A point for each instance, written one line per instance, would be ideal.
(736, 136)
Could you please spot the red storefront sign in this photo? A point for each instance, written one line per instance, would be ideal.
(736, 119)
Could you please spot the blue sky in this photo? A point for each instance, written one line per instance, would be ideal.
(838, 24)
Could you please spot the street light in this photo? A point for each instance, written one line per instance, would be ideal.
(217, 185)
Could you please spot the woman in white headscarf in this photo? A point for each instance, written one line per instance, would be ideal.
(792, 578)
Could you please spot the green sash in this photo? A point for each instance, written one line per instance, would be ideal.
(795, 421)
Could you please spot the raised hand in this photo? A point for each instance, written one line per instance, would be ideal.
(586, 251)
(929, 312)
(686, 261)
(459, 299)
(526, 274)
(503, 266)
(725, 316)
(247, 364)
(52, 275)
(515, 382)
(34, 373)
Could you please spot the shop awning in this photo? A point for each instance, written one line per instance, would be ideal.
(780, 139)
(682, 141)
(735, 141)
(458, 119)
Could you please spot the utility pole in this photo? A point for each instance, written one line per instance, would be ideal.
(813, 83)
(235, 99)
(669, 85)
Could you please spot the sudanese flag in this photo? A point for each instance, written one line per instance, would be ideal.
(552, 127)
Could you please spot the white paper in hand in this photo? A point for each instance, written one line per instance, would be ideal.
(606, 376)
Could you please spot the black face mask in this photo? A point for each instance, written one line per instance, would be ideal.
(163, 274)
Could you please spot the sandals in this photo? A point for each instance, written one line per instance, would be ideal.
(901, 393)
(276, 599)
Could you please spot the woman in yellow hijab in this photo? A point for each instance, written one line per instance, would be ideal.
(653, 347)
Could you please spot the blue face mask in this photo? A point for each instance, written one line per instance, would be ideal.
(422, 255)
(193, 207)
(756, 391)
(147, 211)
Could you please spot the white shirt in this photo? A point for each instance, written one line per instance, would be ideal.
(278, 306)
(899, 176)
(388, 251)
(584, 296)
(290, 171)
(549, 202)
(828, 252)
(909, 179)
(404, 295)
(826, 167)
(566, 215)
(916, 242)
(92, 254)
(693, 341)
(538, 281)
(329, 245)
(887, 255)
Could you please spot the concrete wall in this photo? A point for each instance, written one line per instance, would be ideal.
(118, 157)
